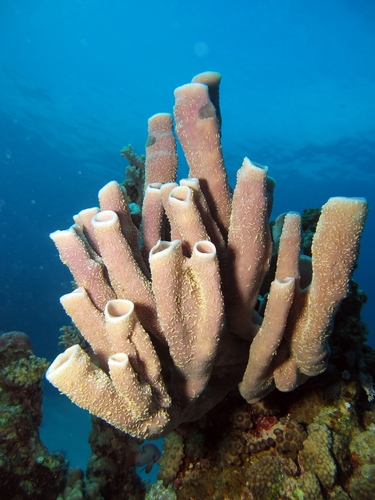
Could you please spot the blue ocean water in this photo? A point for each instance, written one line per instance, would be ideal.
(78, 81)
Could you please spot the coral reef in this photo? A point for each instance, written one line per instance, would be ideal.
(25, 371)
(362, 457)
(134, 175)
(110, 470)
(210, 325)
(158, 492)
(27, 469)
(171, 459)
(70, 335)
(239, 381)
(74, 486)
(330, 421)
(316, 454)
(177, 322)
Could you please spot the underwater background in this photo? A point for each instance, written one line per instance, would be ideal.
(78, 81)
